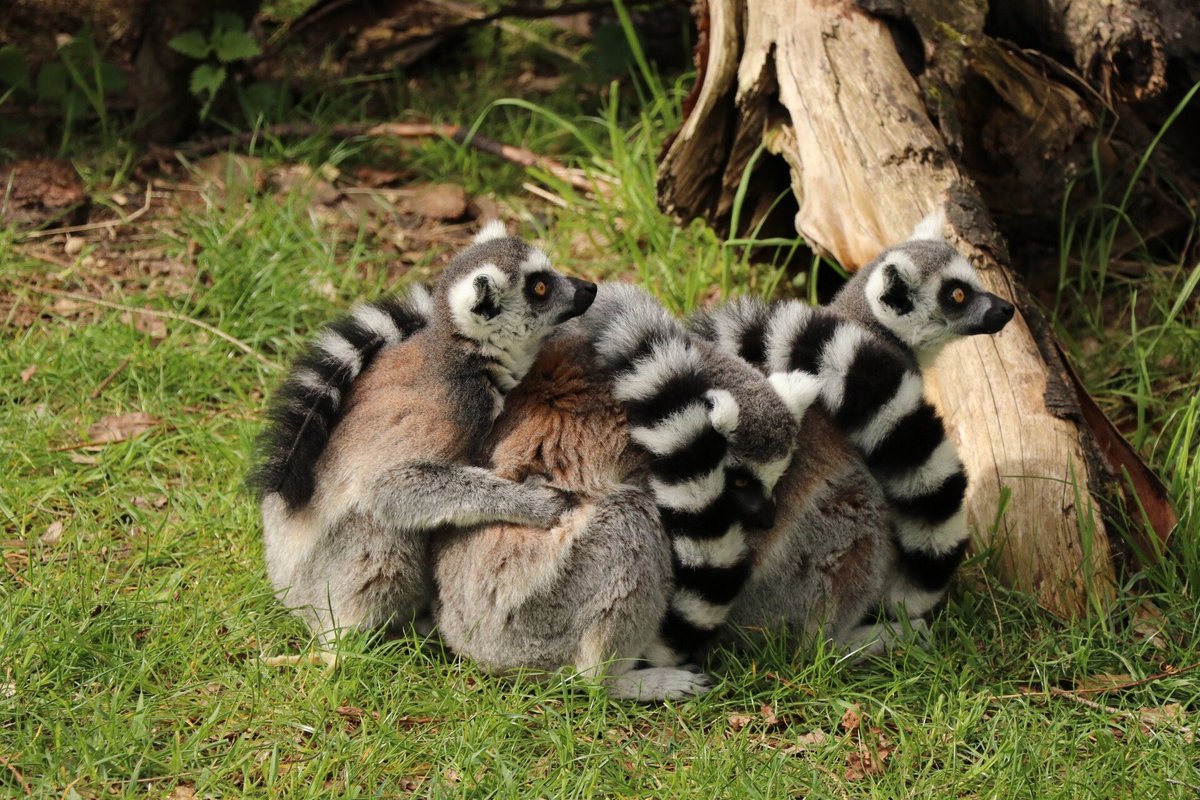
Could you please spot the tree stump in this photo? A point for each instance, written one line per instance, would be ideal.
(870, 151)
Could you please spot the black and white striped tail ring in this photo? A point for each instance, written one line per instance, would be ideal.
(309, 402)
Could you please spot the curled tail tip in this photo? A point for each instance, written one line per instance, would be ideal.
(723, 411)
(798, 390)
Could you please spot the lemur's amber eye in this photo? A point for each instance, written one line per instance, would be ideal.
(958, 295)
(539, 288)
(741, 483)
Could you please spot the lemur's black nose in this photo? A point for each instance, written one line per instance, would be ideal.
(998, 315)
(994, 317)
(757, 510)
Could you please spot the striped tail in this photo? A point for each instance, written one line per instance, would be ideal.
(309, 402)
(871, 392)
(684, 423)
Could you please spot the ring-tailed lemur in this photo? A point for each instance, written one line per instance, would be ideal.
(592, 592)
(863, 356)
(373, 433)
(622, 399)
(719, 440)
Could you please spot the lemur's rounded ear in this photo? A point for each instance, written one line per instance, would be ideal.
(487, 301)
(494, 229)
(896, 293)
(931, 227)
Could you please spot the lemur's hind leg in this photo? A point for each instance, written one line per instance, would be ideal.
(363, 575)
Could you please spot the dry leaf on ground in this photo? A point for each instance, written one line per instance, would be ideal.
(812, 739)
(739, 721)
(152, 326)
(874, 749)
(1169, 714)
(53, 534)
(444, 201)
(852, 719)
(1101, 682)
(28, 373)
(39, 190)
(770, 718)
(119, 427)
(1150, 624)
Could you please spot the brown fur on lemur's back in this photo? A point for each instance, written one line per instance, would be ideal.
(563, 422)
(401, 403)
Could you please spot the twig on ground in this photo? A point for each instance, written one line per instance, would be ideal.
(1158, 676)
(398, 130)
(109, 378)
(172, 315)
(1184, 784)
(547, 195)
(18, 775)
(93, 226)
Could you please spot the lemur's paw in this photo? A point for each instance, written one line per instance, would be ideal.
(655, 684)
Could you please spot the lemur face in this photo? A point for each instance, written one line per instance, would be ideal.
(503, 293)
(751, 482)
(927, 294)
(757, 459)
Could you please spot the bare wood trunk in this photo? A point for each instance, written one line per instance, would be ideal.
(821, 83)
(1118, 45)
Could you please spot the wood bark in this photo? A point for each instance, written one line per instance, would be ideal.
(1117, 45)
(822, 84)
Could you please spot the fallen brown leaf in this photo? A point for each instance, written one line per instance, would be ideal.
(1169, 714)
(1101, 682)
(39, 190)
(868, 759)
(769, 716)
(862, 763)
(152, 326)
(373, 177)
(80, 458)
(119, 427)
(739, 721)
(53, 534)
(182, 792)
(160, 502)
(1149, 624)
(444, 201)
(812, 739)
(28, 373)
(852, 719)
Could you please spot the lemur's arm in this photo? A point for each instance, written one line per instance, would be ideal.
(424, 495)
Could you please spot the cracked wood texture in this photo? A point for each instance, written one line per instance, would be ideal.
(820, 83)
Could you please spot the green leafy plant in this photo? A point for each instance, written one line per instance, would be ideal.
(226, 42)
(79, 80)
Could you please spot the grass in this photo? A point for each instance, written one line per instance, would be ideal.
(130, 639)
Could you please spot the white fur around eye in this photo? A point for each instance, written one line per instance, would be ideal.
(960, 269)
(536, 261)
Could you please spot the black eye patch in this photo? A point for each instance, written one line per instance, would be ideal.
(539, 286)
(955, 295)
